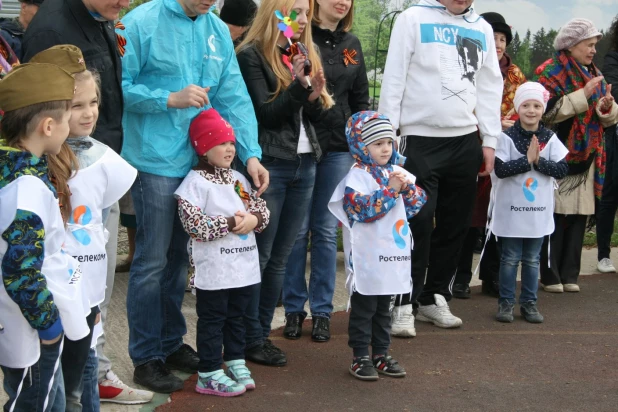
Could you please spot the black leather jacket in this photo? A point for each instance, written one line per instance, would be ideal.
(346, 83)
(69, 22)
(279, 118)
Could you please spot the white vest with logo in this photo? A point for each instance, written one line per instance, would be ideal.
(522, 206)
(231, 261)
(19, 342)
(93, 189)
(378, 254)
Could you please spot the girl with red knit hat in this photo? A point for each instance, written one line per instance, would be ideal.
(220, 212)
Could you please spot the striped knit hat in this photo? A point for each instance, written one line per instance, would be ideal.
(376, 129)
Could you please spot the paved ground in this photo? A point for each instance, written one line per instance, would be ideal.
(568, 363)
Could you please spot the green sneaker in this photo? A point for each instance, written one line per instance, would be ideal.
(219, 384)
(237, 370)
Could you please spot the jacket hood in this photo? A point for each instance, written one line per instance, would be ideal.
(15, 163)
(358, 150)
(470, 16)
(12, 26)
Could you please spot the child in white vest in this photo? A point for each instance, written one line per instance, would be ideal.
(374, 202)
(94, 177)
(220, 212)
(529, 159)
(41, 293)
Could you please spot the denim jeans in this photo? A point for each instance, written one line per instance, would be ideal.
(159, 271)
(90, 395)
(288, 197)
(34, 391)
(220, 325)
(322, 224)
(528, 252)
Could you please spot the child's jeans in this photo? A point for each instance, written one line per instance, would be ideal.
(34, 391)
(370, 323)
(528, 252)
(220, 324)
(90, 395)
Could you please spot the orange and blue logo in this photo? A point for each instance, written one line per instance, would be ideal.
(81, 216)
(530, 186)
(400, 231)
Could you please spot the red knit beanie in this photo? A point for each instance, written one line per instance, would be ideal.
(208, 130)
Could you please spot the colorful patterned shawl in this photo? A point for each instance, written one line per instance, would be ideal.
(562, 75)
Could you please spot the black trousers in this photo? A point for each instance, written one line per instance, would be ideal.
(220, 323)
(490, 262)
(566, 250)
(606, 211)
(74, 358)
(370, 323)
(446, 168)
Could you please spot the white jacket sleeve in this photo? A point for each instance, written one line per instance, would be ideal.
(489, 88)
(400, 51)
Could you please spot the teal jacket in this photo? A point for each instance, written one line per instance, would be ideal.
(165, 52)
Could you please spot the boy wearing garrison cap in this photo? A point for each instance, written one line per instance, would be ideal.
(40, 283)
(220, 212)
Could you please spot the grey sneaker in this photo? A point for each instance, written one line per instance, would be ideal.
(606, 265)
(530, 312)
(505, 312)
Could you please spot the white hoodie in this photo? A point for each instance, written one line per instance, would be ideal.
(442, 76)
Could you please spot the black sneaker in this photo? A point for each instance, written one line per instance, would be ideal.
(386, 365)
(294, 325)
(266, 354)
(184, 359)
(156, 377)
(363, 369)
(530, 312)
(321, 329)
(491, 288)
(461, 291)
(505, 312)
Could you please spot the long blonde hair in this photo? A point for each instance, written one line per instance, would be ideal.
(264, 35)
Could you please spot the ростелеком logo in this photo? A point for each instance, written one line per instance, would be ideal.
(529, 188)
(211, 43)
(81, 216)
(400, 231)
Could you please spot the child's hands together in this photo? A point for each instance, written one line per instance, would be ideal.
(398, 181)
(534, 151)
(245, 222)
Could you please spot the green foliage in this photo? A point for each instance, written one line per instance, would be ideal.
(133, 4)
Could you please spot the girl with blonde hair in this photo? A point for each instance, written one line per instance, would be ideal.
(289, 95)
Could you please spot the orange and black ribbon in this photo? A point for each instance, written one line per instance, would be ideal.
(348, 57)
(121, 41)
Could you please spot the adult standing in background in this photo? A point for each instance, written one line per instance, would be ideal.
(440, 90)
(609, 198)
(490, 262)
(179, 60)
(89, 25)
(238, 15)
(346, 80)
(13, 29)
(580, 106)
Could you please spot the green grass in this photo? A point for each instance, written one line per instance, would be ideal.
(590, 238)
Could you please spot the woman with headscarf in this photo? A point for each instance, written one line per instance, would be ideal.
(580, 106)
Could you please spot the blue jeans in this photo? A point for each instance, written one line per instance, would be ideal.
(323, 226)
(159, 271)
(34, 391)
(90, 395)
(288, 197)
(528, 252)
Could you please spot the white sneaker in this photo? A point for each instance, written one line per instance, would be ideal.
(438, 314)
(606, 265)
(571, 287)
(111, 389)
(403, 322)
(553, 288)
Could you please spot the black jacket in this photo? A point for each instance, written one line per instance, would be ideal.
(13, 33)
(69, 22)
(278, 119)
(347, 84)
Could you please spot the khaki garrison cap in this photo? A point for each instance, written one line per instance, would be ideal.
(67, 56)
(35, 83)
